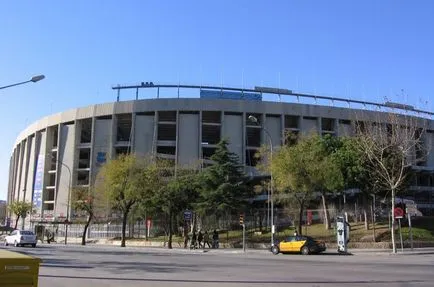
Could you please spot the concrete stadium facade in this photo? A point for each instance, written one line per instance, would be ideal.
(68, 148)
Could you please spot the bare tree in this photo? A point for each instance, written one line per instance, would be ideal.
(393, 144)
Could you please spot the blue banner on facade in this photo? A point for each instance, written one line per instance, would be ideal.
(39, 180)
(211, 94)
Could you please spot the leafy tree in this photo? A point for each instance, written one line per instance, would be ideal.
(391, 144)
(179, 194)
(306, 167)
(20, 209)
(88, 202)
(325, 173)
(126, 180)
(223, 188)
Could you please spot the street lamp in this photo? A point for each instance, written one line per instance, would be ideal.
(69, 197)
(255, 120)
(34, 79)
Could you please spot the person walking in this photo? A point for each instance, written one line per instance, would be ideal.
(215, 239)
(199, 239)
(206, 240)
(193, 240)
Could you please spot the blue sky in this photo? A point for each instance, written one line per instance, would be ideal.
(365, 50)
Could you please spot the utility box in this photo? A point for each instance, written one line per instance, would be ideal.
(343, 234)
(18, 270)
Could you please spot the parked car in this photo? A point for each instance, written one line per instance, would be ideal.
(300, 244)
(21, 238)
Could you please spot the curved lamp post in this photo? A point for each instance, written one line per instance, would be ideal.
(255, 120)
(34, 79)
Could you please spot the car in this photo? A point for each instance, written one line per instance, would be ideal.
(300, 244)
(21, 238)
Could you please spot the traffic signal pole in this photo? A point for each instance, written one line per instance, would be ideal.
(244, 231)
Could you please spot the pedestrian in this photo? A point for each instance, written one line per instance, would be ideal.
(215, 239)
(200, 238)
(206, 240)
(193, 240)
(295, 234)
(186, 237)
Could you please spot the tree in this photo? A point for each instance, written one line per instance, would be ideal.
(306, 167)
(223, 188)
(179, 194)
(20, 209)
(88, 202)
(126, 180)
(392, 144)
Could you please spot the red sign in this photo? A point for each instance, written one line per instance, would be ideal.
(399, 212)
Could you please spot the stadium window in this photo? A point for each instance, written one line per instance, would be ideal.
(84, 158)
(211, 134)
(167, 116)
(328, 124)
(86, 131)
(83, 177)
(292, 122)
(124, 125)
(211, 117)
(253, 136)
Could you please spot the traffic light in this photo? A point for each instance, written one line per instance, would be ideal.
(241, 219)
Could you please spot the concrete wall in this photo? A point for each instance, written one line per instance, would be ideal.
(233, 129)
(66, 156)
(144, 134)
(188, 139)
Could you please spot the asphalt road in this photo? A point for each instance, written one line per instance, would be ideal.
(114, 266)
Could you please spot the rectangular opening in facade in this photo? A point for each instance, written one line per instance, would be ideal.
(253, 136)
(167, 132)
(251, 158)
(207, 152)
(109, 117)
(55, 134)
(122, 150)
(292, 122)
(83, 177)
(145, 113)
(211, 117)
(53, 160)
(167, 116)
(123, 127)
(211, 134)
(49, 206)
(86, 131)
(51, 179)
(252, 123)
(170, 150)
(84, 158)
(328, 124)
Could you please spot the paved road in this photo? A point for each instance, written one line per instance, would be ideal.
(113, 266)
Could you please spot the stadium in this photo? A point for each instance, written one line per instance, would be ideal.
(65, 150)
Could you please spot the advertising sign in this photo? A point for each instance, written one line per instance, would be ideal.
(39, 183)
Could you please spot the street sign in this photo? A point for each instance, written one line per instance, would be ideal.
(187, 215)
(399, 212)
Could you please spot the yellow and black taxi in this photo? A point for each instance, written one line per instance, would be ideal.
(299, 244)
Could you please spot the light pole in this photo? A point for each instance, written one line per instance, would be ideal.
(255, 120)
(69, 197)
(33, 80)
